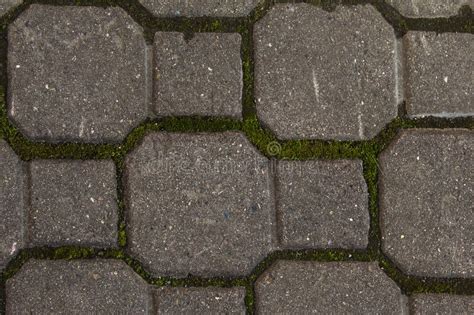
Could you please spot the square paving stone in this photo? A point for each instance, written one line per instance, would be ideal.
(199, 204)
(429, 8)
(200, 300)
(77, 287)
(76, 73)
(306, 287)
(73, 203)
(322, 204)
(426, 202)
(199, 8)
(441, 304)
(13, 200)
(439, 70)
(325, 75)
(202, 76)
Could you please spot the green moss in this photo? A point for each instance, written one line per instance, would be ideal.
(257, 134)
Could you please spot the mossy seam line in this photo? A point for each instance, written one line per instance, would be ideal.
(258, 135)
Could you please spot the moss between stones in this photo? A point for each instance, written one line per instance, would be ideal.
(258, 135)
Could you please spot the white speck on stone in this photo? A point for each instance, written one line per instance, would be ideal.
(351, 219)
(13, 249)
(446, 79)
(402, 236)
(315, 85)
(17, 66)
(93, 200)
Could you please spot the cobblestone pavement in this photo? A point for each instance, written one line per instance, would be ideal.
(271, 157)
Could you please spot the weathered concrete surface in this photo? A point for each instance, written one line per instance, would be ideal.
(426, 193)
(76, 74)
(429, 8)
(325, 75)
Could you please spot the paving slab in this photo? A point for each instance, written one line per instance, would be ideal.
(207, 300)
(199, 204)
(426, 193)
(429, 8)
(77, 287)
(202, 76)
(73, 203)
(303, 287)
(12, 203)
(76, 74)
(7, 5)
(325, 75)
(441, 304)
(200, 8)
(439, 74)
(322, 204)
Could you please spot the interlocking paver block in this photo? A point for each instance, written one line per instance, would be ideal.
(200, 77)
(441, 304)
(325, 75)
(426, 193)
(439, 70)
(303, 287)
(322, 204)
(73, 203)
(199, 204)
(76, 73)
(429, 8)
(6, 5)
(199, 8)
(12, 203)
(200, 300)
(77, 287)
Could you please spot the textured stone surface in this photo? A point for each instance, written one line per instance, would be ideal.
(200, 300)
(73, 203)
(322, 204)
(429, 8)
(439, 74)
(76, 73)
(441, 304)
(303, 287)
(200, 77)
(198, 204)
(6, 5)
(12, 203)
(426, 194)
(77, 287)
(325, 75)
(198, 8)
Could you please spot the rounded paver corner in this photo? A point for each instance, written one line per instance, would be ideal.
(325, 75)
(327, 287)
(199, 8)
(426, 188)
(198, 204)
(76, 74)
(82, 286)
(13, 201)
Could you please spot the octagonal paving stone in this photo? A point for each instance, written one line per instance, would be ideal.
(77, 287)
(206, 300)
(421, 304)
(325, 75)
(429, 8)
(426, 194)
(303, 287)
(76, 73)
(7, 5)
(200, 8)
(199, 204)
(13, 201)
(439, 74)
